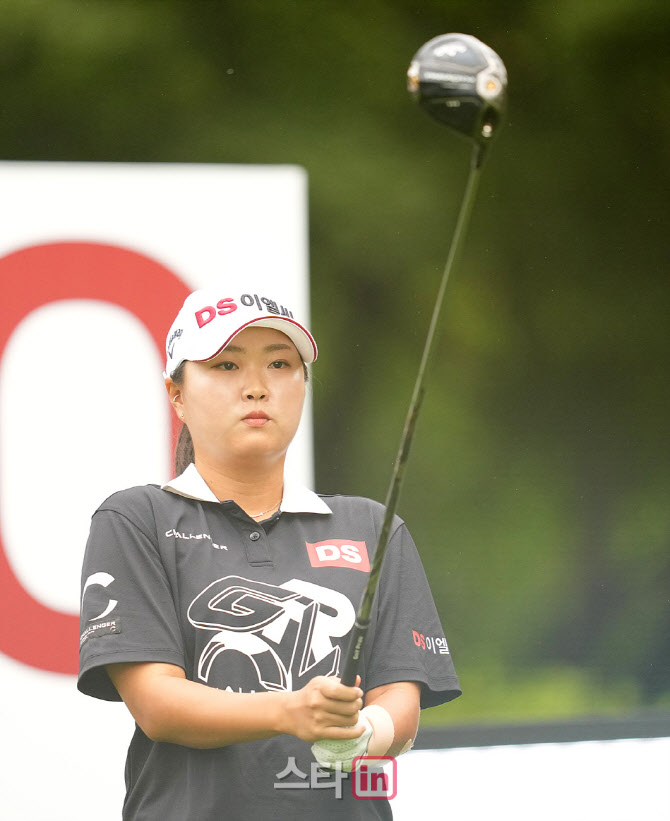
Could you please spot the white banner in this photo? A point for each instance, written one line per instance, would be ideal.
(618, 780)
(95, 261)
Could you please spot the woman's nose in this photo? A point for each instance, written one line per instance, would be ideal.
(255, 387)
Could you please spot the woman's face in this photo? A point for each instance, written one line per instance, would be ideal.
(244, 405)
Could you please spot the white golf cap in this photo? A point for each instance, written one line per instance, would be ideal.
(211, 318)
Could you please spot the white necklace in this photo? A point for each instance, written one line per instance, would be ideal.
(263, 512)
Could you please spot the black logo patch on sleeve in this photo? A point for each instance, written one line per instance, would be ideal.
(103, 628)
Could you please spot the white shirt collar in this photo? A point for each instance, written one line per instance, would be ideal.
(296, 499)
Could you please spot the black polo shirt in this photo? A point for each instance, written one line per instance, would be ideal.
(173, 575)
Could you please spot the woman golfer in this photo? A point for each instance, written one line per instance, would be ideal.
(218, 606)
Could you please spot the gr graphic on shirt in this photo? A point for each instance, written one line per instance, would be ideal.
(274, 637)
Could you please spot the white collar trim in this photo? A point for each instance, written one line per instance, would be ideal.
(297, 498)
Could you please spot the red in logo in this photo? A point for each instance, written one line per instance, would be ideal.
(371, 782)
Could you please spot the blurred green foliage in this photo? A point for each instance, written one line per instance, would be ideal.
(538, 485)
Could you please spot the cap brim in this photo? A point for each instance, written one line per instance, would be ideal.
(298, 334)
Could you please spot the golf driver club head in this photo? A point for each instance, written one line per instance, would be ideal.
(462, 83)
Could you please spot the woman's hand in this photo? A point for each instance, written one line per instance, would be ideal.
(333, 753)
(324, 708)
(390, 717)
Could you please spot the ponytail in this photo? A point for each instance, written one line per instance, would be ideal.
(184, 453)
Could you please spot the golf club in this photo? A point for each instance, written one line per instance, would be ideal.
(462, 83)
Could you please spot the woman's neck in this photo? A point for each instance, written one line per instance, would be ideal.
(255, 491)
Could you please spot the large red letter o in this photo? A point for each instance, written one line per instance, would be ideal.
(29, 631)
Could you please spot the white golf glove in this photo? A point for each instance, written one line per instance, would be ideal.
(328, 751)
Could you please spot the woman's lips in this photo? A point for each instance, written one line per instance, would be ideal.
(256, 419)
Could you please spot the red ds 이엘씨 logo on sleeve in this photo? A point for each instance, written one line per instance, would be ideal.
(339, 553)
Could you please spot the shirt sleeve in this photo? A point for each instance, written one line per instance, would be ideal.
(408, 642)
(127, 608)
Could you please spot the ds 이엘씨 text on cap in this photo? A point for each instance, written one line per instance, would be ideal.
(211, 318)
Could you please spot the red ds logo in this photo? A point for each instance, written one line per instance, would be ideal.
(339, 553)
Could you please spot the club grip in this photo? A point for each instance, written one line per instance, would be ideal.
(353, 654)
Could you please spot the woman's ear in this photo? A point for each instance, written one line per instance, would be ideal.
(174, 392)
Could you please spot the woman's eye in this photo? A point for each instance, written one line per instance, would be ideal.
(279, 363)
(227, 366)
